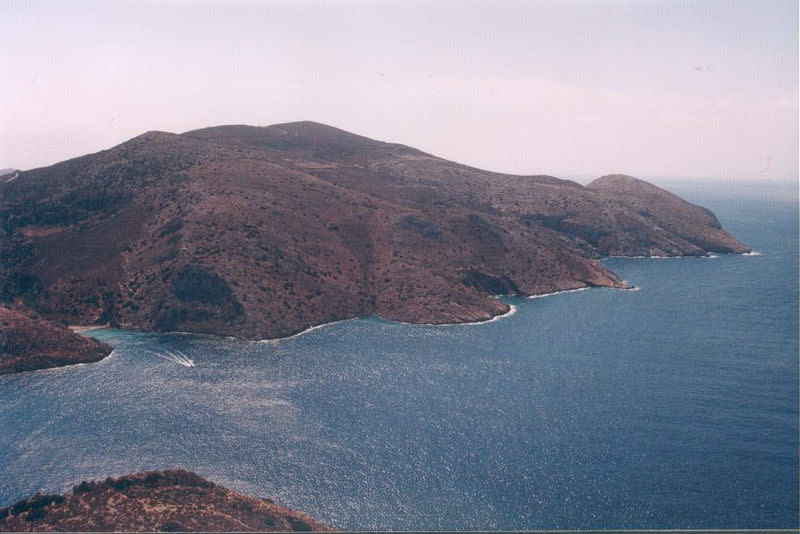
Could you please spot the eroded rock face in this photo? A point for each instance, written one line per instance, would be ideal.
(166, 501)
(27, 344)
(262, 232)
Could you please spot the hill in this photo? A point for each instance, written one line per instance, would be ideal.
(154, 501)
(27, 344)
(260, 232)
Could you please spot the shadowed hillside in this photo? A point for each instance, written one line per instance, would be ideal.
(27, 344)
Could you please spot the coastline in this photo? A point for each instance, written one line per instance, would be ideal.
(302, 332)
(708, 256)
(511, 311)
(71, 365)
(575, 290)
(32, 343)
(59, 367)
(79, 329)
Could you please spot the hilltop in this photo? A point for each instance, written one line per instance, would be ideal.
(260, 232)
(166, 501)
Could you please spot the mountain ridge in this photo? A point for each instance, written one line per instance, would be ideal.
(261, 232)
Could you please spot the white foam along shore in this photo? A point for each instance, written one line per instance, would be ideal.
(511, 311)
(65, 367)
(79, 328)
(301, 333)
(709, 256)
(543, 295)
(656, 257)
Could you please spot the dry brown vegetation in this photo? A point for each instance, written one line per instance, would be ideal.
(262, 232)
(28, 343)
(174, 500)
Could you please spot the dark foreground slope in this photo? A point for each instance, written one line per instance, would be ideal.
(27, 344)
(262, 232)
(155, 501)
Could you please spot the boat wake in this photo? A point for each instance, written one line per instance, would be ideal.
(180, 358)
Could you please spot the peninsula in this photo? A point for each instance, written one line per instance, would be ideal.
(154, 501)
(261, 232)
(28, 343)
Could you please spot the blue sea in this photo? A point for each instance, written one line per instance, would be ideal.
(674, 406)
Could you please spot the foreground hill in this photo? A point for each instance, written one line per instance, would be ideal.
(262, 232)
(27, 344)
(155, 501)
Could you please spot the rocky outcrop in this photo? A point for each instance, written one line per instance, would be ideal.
(262, 232)
(671, 226)
(166, 501)
(28, 343)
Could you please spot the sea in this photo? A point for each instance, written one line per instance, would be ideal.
(671, 406)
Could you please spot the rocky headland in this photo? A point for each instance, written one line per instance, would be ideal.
(261, 232)
(28, 343)
(154, 501)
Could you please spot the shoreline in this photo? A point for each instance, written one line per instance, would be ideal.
(80, 328)
(709, 256)
(61, 367)
(80, 364)
(303, 332)
(559, 292)
(511, 311)
(512, 308)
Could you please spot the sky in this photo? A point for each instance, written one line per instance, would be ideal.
(569, 88)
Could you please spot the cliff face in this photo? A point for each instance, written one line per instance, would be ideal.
(155, 501)
(262, 232)
(27, 344)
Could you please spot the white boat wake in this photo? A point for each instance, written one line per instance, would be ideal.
(180, 358)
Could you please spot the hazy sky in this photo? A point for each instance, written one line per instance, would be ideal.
(649, 88)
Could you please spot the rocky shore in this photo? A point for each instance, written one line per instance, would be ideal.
(154, 501)
(28, 343)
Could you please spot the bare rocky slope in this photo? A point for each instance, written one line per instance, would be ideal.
(154, 501)
(28, 343)
(261, 232)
